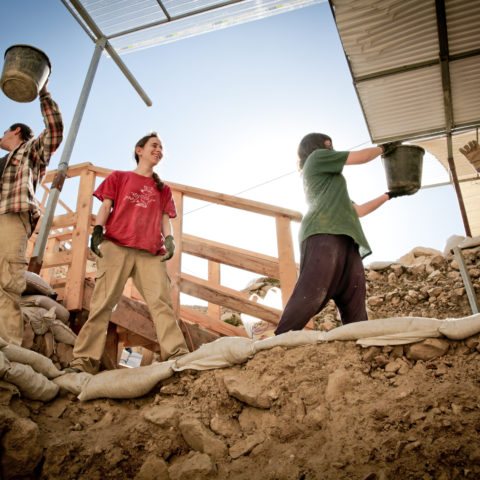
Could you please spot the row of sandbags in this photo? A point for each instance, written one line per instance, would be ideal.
(47, 344)
(224, 352)
(46, 322)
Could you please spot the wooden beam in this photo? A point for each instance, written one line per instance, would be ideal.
(236, 202)
(134, 317)
(226, 297)
(76, 273)
(65, 220)
(174, 265)
(57, 259)
(53, 247)
(233, 256)
(222, 328)
(288, 268)
(73, 171)
(214, 279)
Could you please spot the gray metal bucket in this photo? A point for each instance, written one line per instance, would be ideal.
(403, 168)
(25, 71)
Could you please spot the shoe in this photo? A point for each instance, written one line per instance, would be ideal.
(72, 370)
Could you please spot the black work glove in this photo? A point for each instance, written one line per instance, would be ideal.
(96, 240)
(389, 147)
(170, 247)
(398, 193)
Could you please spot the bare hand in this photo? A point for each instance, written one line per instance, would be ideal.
(44, 88)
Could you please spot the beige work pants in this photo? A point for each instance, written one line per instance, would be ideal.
(14, 232)
(150, 277)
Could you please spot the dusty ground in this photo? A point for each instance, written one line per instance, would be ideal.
(329, 411)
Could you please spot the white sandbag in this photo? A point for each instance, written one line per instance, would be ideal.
(8, 387)
(126, 382)
(451, 243)
(3, 343)
(46, 302)
(384, 326)
(37, 285)
(290, 339)
(31, 384)
(34, 316)
(223, 352)
(460, 328)
(403, 338)
(38, 362)
(73, 382)
(4, 364)
(469, 242)
(62, 333)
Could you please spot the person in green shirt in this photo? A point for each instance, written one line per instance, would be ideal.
(331, 237)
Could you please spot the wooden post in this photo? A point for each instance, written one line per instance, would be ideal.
(286, 258)
(76, 273)
(214, 279)
(174, 265)
(53, 246)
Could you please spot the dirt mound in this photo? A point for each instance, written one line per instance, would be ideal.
(326, 411)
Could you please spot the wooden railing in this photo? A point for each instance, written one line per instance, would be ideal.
(67, 250)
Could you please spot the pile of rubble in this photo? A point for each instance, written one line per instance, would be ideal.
(423, 283)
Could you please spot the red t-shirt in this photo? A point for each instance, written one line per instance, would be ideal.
(136, 218)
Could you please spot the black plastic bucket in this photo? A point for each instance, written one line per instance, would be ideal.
(403, 168)
(25, 71)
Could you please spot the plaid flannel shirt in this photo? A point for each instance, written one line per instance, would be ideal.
(26, 165)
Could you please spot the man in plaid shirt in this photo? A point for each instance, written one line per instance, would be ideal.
(21, 171)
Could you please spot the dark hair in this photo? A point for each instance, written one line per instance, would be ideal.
(141, 143)
(308, 144)
(26, 133)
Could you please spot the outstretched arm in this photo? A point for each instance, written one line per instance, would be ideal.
(363, 156)
(368, 154)
(371, 206)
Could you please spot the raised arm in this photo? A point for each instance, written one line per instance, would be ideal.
(368, 154)
(51, 138)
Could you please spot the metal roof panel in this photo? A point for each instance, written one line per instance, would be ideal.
(386, 34)
(401, 105)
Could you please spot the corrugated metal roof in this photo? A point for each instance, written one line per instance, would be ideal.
(392, 47)
(131, 25)
(416, 69)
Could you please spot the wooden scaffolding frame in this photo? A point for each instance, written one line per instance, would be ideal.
(67, 249)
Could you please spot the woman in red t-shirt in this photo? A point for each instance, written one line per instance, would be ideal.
(136, 211)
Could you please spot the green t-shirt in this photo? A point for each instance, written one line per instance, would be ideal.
(330, 208)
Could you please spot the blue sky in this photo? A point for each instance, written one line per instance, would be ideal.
(230, 107)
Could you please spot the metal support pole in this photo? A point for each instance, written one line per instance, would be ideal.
(456, 185)
(472, 298)
(36, 259)
(444, 56)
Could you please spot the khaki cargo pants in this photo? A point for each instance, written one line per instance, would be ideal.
(150, 277)
(14, 232)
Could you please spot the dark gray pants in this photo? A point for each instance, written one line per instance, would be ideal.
(330, 268)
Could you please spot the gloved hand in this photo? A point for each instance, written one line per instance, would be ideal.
(472, 151)
(96, 240)
(389, 147)
(170, 247)
(395, 194)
